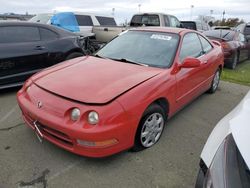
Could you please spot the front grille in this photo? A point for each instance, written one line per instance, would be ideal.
(55, 134)
(50, 132)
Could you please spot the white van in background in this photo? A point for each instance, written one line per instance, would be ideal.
(78, 22)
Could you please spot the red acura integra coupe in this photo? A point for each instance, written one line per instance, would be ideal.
(121, 97)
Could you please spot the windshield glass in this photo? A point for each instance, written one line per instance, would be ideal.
(41, 18)
(189, 25)
(147, 20)
(155, 49)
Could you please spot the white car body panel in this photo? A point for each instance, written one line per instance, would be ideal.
(236, 122)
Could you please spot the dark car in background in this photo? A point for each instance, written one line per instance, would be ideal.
(221, 27)
(245, 29)
(235, 46)
(26, 48)
(195, 25)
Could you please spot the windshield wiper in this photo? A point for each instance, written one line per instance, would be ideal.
(129, 61)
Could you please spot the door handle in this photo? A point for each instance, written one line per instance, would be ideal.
(39, 48)
(205, 62)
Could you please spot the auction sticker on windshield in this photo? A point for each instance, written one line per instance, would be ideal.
(160, 37)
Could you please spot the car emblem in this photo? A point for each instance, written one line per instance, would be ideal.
(39, 104)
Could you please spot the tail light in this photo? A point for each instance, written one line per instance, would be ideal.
(225, 46)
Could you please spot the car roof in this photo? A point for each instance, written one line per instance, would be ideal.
(151, 13)
(21, 23)
(58, 30)
(164, 29)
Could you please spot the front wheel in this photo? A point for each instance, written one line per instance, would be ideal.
(215, 82)
(150, 127)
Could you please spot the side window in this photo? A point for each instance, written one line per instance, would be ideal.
(247, 30)
(174, 22)
(47, 34)
(166, 21)
(106, 21)
(84, 20)
(205, 44)
(242, 38)
(191, 46)
(17, 34)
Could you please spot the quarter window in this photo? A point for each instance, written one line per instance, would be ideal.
(47, 34)
(17, 34)
(191, 46)
(205, 44)
(84, 20)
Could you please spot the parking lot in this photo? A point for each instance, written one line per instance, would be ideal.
(173, 162)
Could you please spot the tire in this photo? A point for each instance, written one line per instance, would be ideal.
(74, 55)
(234, 62)
(215, 82)
(149, 130)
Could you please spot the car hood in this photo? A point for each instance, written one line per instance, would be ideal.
(237, 123)
(93, 80)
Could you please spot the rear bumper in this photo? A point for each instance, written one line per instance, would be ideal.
(71, 136)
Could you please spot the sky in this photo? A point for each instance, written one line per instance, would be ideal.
(123, 10)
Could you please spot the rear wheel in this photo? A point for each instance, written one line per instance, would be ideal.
(215, 82)
(150, 127)
(74, 55)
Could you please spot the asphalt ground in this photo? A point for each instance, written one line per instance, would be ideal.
(172, 162)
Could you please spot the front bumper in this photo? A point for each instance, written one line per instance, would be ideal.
(55, 125)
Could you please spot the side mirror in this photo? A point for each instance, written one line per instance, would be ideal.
(190, 62)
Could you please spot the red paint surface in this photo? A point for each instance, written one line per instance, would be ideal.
(119, 92)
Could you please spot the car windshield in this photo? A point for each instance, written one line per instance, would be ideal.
(221, 34)
(155, 49)
(189, 25)
(147, 20)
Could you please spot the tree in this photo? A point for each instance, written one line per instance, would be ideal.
(231, 22)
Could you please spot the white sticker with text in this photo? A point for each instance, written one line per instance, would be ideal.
(160, 37)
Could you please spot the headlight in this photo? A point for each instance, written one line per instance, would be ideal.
(27, 89)
(75, 114)
(93, 118)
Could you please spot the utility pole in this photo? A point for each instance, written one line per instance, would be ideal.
(139, 7)
(113, 11)
(223, 16)
(191, 12)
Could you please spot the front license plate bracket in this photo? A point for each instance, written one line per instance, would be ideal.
(38, 132)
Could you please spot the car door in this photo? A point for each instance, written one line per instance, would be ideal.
(52, 42)
(190, 81)
(244, 47)
(22, 53)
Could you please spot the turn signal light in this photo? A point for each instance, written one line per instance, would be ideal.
(100, 144)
